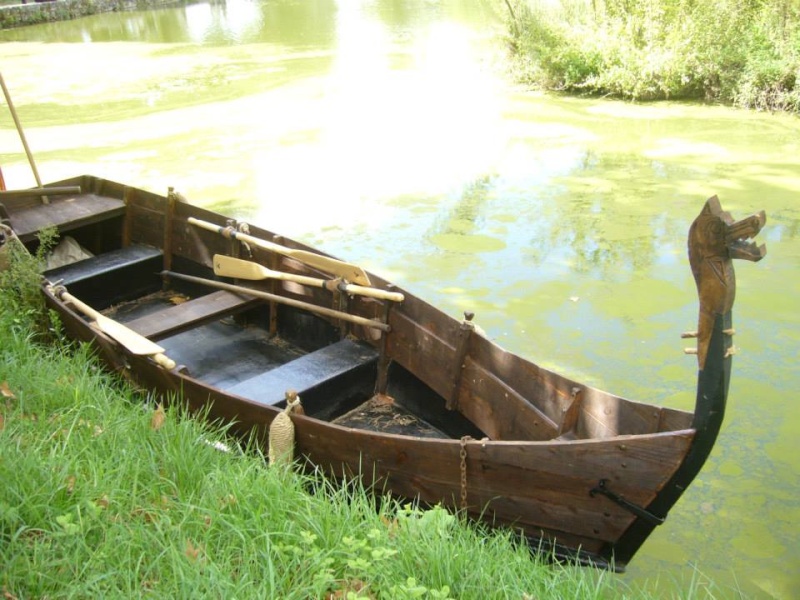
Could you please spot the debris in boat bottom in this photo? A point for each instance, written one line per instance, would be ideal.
(381, 413)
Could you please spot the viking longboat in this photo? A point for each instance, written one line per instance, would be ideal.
(244, 322)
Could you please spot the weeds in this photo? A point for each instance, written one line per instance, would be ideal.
(21, 302)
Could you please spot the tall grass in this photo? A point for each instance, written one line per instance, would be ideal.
(744, 52)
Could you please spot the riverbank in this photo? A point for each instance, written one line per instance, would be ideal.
(20, 15)
(745, 54)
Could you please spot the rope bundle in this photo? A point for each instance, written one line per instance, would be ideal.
(281, 432)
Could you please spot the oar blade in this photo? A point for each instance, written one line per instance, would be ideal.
(135, 343)
(228, 266)
(352, 273)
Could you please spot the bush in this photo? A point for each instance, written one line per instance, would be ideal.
(743, 52)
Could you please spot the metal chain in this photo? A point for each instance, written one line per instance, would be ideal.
(463, 455)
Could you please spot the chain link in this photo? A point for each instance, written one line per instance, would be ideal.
(463, 455)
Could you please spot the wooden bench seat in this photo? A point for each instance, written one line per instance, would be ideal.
(28, 216)
(308, 372)
(102, 264)
(112, 277)
(191, 314)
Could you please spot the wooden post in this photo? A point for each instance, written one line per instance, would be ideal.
(274, 262)
(382, 379)
(169, 215)
(128, 196)
(462, 346)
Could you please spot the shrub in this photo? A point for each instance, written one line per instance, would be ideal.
(747, 52)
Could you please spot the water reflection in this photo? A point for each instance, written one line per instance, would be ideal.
(218, 22)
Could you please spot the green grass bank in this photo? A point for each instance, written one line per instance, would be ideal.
(740, 52)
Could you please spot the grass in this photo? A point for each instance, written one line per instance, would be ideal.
(105, 494)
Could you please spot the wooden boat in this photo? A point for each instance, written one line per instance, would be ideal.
(237, 319)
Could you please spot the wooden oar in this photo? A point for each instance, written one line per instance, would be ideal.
(341, 269)
(135, 343)
(21, 133)
(50, 191)
(228, 266)
(240, 289)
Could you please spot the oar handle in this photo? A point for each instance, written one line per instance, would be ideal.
(164, 361)
(81, 306)
(360, 290)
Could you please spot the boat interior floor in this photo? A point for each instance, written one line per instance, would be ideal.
(221, 353)
(223, 345)
(382, 413)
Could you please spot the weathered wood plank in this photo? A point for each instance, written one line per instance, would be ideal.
(559, 475)
(66, 213)
(421, 351)
(499, 410)
(103, 264)
(190, 314)
(307, 372)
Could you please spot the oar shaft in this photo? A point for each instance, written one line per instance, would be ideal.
(328, 312)
(318, 261)
(231, 233)
(360, 290)
(134, 342)
(229, 266)
(21, 134)
(81, 306)
(50, 191)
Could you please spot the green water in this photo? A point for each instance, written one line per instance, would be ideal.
(386, 133)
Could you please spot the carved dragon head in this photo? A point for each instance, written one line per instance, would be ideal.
(714, 240)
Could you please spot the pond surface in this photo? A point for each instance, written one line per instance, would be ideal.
(386, 133)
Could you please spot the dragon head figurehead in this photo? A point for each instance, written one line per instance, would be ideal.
(714, 240)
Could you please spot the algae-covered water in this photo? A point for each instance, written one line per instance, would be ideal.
(386, 133)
